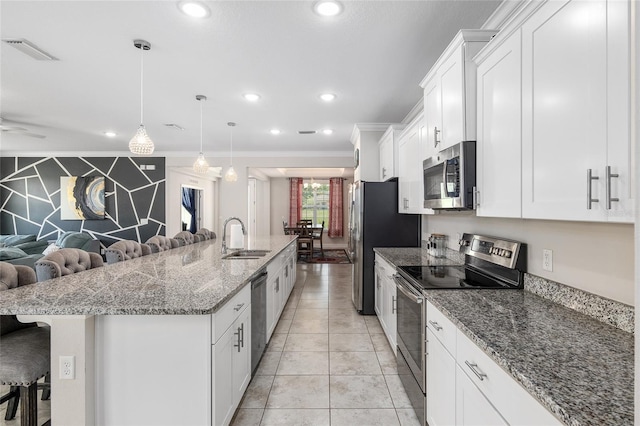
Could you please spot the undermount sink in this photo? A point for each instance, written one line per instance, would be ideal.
(246, 254)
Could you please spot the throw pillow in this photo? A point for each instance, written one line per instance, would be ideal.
(8, 253)
(50, 249)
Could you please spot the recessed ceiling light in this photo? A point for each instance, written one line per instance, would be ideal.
(110, 134)
(327, 131)
(327, 97)
(195, 9)
(327, 8)
(275, 131)
(251, 97)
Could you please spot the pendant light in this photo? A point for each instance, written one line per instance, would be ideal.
(231, 175)
(201, 165)
(141, 144)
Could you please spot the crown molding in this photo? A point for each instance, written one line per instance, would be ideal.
(367, 127)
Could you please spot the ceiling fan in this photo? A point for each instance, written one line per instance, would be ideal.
(5, 127)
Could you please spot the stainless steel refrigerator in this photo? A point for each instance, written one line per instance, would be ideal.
(374, 221)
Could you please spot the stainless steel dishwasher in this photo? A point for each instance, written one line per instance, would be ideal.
(258, 318)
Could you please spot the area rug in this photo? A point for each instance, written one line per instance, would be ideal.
(330, 256)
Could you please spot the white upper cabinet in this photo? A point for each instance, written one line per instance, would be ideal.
(366, 153)
(410, 192)
(450, 91)
(388, 147)
(576, 150)
(499, 138)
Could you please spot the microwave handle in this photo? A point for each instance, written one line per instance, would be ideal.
(444, 176)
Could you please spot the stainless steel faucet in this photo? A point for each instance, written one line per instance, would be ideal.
(224, 232)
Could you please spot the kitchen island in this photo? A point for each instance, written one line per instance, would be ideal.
(143, 332)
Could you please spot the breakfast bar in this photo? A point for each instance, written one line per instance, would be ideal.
(142, 332)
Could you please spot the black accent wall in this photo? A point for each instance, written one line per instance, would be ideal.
(30, 197)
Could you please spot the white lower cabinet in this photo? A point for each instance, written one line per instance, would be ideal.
(466, 387)
(441, 389)
(281, 277)
(386, 299)
(232, 367)
(472, 408)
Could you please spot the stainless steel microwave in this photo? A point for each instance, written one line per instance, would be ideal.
(450, 178)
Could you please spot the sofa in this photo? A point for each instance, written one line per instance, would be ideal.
(21, 249)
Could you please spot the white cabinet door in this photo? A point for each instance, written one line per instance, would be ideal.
(379, 293)
(272, 303)
(451, 79)
(564, 72)
(472, 408)
(498, 148)
(441, 385)
(432, 119)
(410, 173)
(390, 300)
(241, 355)
(387, 169)
(223, 377)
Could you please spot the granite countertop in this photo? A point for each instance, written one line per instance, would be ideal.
(579, 368)
(415, 256)
(189, 280)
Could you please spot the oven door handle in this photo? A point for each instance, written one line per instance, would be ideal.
(400, 285)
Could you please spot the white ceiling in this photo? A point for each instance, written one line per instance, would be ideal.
(372, 56)
(317, 173)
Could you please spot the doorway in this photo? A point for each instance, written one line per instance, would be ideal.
(251, 202)
(191, 209)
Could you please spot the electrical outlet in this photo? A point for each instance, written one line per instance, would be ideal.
(547, 260)
(144, 221)
(68, 367)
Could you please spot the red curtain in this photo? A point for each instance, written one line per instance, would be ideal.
(295, 200)
(335, 208)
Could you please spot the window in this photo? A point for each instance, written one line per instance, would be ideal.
(315, 201)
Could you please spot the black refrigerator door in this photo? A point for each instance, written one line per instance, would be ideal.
(382, 226)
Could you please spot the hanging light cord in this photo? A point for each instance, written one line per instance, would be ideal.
(200, 126)
(141, 85)
(231, 153)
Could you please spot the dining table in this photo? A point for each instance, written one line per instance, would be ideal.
(316, 231)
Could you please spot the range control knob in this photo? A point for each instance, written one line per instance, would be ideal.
(508, 254)
(502, 252)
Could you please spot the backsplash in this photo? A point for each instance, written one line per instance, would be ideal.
(606, 310)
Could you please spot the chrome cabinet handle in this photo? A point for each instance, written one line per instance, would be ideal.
(240, 334)
(609, 197)
(384, 172)
(394, 304)
(474, 367)
(436, 132)
(475, 197)
(238, 307)
(590, 179)
(435, 325)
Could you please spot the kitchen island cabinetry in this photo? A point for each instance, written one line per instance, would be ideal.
(576, 100)
(281, 277)
(450, 91)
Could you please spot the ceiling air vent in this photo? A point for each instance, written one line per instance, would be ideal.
(25, 46)
(307, 132)
(174, 125)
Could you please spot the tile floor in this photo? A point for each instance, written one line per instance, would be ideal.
(325, 363)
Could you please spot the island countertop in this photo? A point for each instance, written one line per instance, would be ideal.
(189, 280)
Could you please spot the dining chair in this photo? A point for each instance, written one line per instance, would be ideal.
(185, 238)
(125, 250)
(25, 352)
(66, 261)
(160, 243)
(305, 240)
(316, 234)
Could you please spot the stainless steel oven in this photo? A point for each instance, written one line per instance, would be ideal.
(450, 178)
(411, 341)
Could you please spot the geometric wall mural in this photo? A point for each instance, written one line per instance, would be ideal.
(134, 197)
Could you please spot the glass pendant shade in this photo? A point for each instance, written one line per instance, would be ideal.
(201, 165)
(231, 175)
(140, 143)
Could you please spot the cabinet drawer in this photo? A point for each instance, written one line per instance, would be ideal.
(514, 403)
(385, 267)
(229, 312)
(442, 328)
(274, 266)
